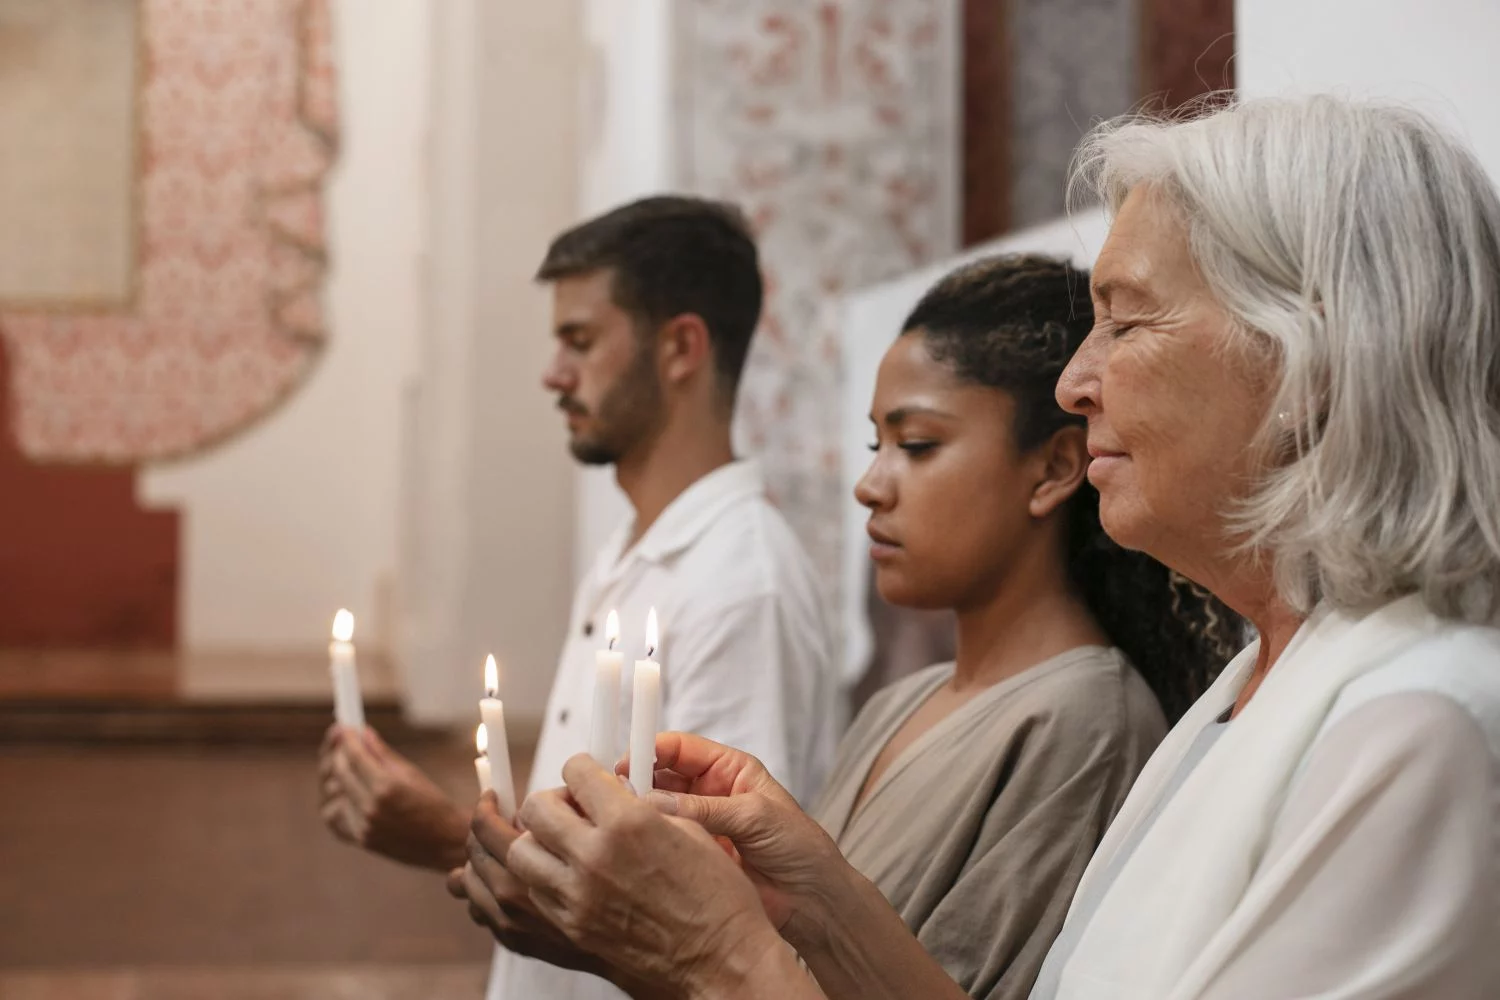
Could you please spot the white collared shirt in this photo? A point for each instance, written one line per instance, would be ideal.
(746, 657)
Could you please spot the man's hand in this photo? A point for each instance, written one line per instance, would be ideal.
(373, 797)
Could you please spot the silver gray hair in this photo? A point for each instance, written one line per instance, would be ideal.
(1357, 246)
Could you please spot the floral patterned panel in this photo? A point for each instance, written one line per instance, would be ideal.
(834, 125)
(237, 119)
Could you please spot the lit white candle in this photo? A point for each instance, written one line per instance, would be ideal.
(604, 743)
(482, 762)
(645, 712)
(492, 711)
(348, 706)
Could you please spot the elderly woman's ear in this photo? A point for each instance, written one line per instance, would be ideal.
(1062, 465)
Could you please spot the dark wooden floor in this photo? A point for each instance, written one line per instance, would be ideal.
(164, 871)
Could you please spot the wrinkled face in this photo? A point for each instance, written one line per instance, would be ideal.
(948, 491)
(1172, 403)
(603, 374)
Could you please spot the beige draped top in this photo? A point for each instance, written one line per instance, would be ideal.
(979, 831)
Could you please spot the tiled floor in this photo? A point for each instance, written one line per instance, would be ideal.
(158, 873)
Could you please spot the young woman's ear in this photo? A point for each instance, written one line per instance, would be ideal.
(1063, 462)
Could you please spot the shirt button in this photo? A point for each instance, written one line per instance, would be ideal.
(562, 717)
(588, 629)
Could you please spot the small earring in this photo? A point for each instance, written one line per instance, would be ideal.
(1284, 418)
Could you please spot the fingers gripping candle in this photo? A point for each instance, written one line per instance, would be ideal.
(492, 711)
(645, 712)
(348, 706)
(604, 744)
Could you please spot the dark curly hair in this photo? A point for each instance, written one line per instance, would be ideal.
(1012, 323)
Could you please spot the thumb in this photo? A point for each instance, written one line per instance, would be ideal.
(737, 817)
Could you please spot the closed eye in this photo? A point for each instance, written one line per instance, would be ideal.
(910, 447)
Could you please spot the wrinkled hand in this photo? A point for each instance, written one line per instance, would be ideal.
(788, 856)
(500, 902)
(656, 897)
(373, 797)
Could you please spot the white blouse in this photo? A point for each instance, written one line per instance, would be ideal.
(1401, 895)
(1339, 839)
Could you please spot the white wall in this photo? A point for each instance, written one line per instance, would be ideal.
(626, 154)
(420, 477)
(522, 490)
(1438, 55)
(298, 517)
(487, 539)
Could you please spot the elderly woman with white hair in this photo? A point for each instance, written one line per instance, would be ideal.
(1293, 398)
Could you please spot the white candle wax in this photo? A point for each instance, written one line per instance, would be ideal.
(604, 738)
(645, 713)
(348, 706)
(492, 711)
(482, 762)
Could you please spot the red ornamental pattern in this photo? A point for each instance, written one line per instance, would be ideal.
(238, 119)
(833, 124)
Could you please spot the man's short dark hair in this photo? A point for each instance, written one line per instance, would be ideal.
(672, 255)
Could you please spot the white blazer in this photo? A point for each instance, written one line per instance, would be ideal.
(1341, 839)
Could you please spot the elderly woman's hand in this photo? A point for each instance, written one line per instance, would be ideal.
(788, 856)
(654, 896)
(499, 902)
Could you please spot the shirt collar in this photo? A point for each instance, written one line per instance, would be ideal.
(697, 507)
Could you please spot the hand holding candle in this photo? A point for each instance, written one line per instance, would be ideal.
(348, 706)
(604, 744)
(645, 712)
(492, 710)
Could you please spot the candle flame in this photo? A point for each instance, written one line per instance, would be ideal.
(491, 676)
(343, 626)
(612, 629)
(482, 740)
(653, 639)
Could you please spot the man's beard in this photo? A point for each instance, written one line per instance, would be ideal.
(629, 413)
